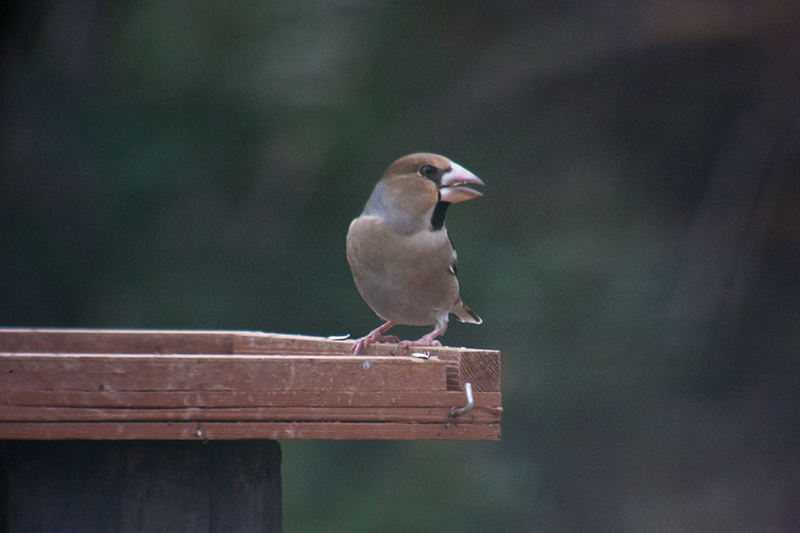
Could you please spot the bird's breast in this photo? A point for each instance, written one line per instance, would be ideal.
(403, 278)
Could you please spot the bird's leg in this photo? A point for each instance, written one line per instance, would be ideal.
(376, 335)
(425, 340)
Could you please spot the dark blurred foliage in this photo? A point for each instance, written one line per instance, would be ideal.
(636, 256)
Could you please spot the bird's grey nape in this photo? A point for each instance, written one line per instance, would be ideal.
(377, 200)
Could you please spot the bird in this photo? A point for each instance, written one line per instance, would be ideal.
(400, 254)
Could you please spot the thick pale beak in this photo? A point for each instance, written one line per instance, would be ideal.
(451, 189)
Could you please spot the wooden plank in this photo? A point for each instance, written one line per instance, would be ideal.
(282, 414)
(115, 341)
(179, 342)
(205, 399)
(279, 343)
(116, 372)
(249, 430)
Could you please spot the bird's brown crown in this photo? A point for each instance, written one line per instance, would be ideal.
(412, 182)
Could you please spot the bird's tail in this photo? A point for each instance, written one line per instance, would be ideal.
(465, 314)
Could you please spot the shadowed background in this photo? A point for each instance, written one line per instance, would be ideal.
(636, 256)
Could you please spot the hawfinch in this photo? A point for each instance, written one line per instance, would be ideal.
(401, 257)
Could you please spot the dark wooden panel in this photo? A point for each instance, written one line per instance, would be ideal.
(127, 486)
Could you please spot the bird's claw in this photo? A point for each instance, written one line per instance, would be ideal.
(364, 342)
(426, 340)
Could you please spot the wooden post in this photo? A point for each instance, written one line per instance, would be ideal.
(122, 430)
(120, 486)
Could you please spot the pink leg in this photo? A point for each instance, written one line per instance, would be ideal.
(376, 335)
(425, 340)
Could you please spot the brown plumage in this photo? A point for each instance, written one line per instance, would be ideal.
(400, 254)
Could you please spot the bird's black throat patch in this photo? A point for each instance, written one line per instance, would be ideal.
(437, 219)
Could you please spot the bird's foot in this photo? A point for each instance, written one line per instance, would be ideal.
(425, 340)
(362, 343)
(376, 335)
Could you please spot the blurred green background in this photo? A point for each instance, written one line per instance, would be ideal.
(636, 256)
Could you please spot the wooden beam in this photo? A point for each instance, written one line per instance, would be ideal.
(124, 384)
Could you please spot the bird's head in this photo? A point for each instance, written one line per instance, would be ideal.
(413, 186)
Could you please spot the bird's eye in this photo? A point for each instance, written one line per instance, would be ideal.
(428, 171)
